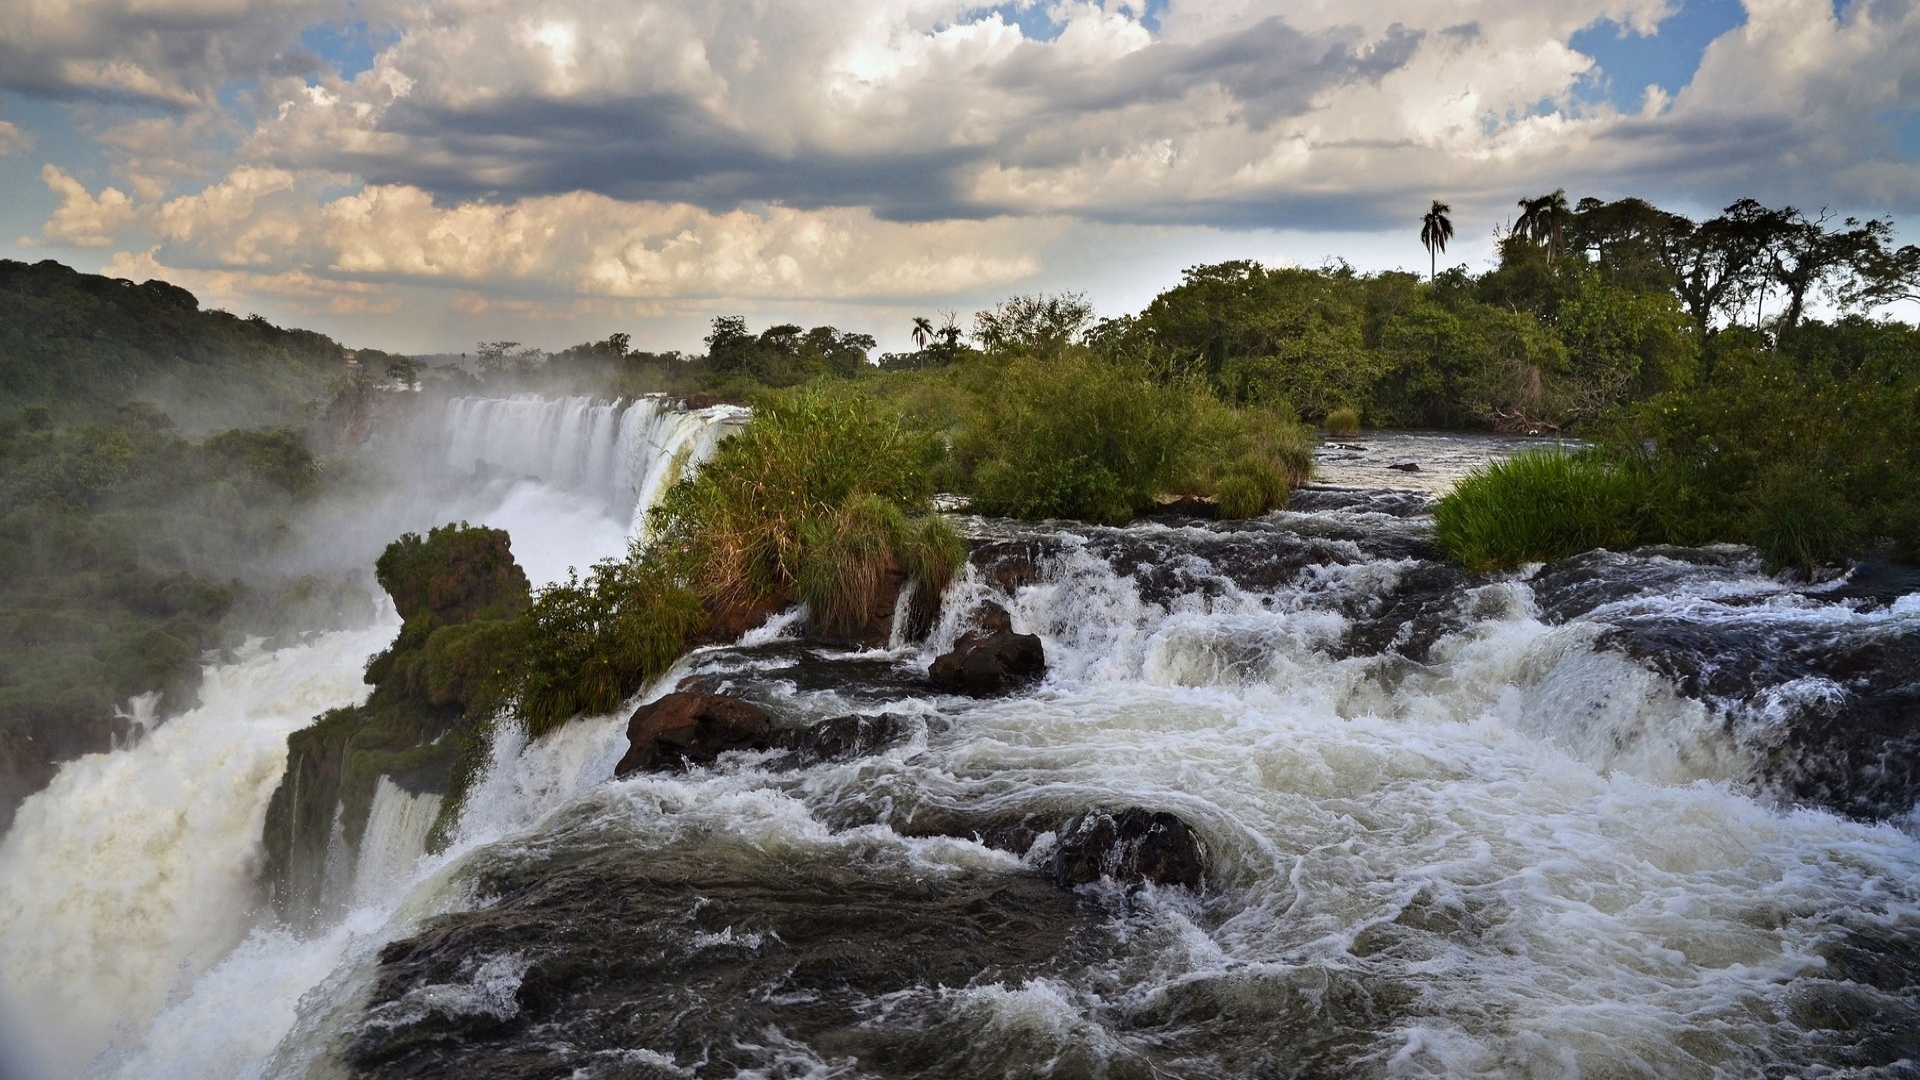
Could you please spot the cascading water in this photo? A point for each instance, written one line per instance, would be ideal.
(136, 870)
(1573, 822)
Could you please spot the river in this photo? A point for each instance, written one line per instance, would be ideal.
(1642, 814)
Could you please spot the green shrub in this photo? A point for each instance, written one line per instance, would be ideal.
(1540, 506)
(590, 644)
(1798, 518)
(1343, 422)
(1077, 438)
(823, 497)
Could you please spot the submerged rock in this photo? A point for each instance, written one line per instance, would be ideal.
(692, 728)
(695, 951)
(989, 662)
(842, 737)
(1129, 847)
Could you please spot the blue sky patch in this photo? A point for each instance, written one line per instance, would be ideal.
(1628, 63)
(346, 45)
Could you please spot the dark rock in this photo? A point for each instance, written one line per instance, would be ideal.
(1405, 466)
(842, 737)
(571, 962)
(991, 660)
(1130, 847)
(24, 769)
(685, 729)
(993, 619)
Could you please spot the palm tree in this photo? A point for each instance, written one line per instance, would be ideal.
(1435, 230)
(1544, 220)
(922, 331)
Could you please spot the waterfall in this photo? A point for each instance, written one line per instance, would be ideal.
(624, 454)
(134, 871)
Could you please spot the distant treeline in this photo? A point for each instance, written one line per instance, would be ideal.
(1591, 306)
(80, 345)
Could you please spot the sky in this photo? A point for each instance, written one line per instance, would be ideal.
(423, 176)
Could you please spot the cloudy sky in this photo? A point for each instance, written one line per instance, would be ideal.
(421, 176)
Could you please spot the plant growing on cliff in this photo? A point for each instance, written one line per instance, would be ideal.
(824, 497)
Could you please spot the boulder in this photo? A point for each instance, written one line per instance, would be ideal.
(692, 728)
(1128, 847)
(990, 660)
(1405, 466)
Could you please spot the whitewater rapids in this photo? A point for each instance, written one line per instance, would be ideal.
(1454, 827)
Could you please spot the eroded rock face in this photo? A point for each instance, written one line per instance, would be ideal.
(692, 727)
(991, 660)
(1128, 847)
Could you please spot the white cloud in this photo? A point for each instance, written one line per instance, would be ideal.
(83, 218)
(596, 152)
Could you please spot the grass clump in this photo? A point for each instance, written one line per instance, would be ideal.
(1343, 422)
(1089, 439)
(824, 498)
(1540, 506)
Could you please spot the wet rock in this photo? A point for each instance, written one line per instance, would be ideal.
(1128, 847)
(727, 621)
(1423, 606)
(1405, 466)
(991, 660)
(24, 769)
(686, 729)
(842, 737)
(695, 950)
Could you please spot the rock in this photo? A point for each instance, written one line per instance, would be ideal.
(684, 729)
(1405, 466)
(842, 737)
(728, 620)
(1195, 506)
(991, 660)
(1130, 847)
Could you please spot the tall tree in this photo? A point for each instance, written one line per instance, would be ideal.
(1717, 264)
(1544, 220)
(1436, 228)
(922, 331)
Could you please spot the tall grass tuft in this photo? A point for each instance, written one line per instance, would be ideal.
(1798, 518)
(1540, 506)
(1343, 422)
(823, 497)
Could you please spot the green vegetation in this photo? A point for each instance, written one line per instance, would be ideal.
(1544, 505)
(436, 691)
(79, 346)
(1806, 446)
(119, 544)
(824, 497)
(1343, 422)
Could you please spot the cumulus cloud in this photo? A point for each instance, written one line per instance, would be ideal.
(582, 243)
(593, 151)
(84, 218)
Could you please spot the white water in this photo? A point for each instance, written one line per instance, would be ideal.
(1541, 845)
(135, 871)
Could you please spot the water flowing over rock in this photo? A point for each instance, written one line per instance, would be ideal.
(1128, 847)
(687, 728)
(1636, 814)
(991, 659)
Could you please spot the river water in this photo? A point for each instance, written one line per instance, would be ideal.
(1640, 814)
